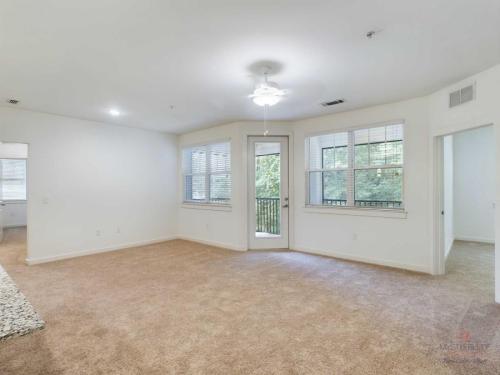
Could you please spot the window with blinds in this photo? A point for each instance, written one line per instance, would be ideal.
(357, 168)
(12, 179)
(207, 173)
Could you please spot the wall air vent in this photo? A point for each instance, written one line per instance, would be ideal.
(333, 102)
(464, 95)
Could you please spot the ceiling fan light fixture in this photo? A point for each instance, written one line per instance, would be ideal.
(114, 112)
(264, 100)
(267, 93)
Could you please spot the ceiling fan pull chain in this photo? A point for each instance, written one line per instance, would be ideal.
(266, 130)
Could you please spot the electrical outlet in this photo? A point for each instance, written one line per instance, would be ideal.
(118, 230)
(98, 233)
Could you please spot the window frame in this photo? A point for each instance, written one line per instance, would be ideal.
(351, 169)
(334, 169)
(11, 201)
(207, 175)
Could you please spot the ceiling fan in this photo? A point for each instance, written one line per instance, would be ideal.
(267, 93)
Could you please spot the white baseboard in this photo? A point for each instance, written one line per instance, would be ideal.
(75, 254)
(447, 251)
(380, 262)
(212, 243)
(475, 239)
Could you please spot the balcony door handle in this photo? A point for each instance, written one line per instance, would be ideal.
(285, 205)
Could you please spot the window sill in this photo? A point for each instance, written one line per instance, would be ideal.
(207, 206)
(392, 213)
(18, 201)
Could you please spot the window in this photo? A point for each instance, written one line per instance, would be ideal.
(207, 173)
(360, 168)
(12, 179)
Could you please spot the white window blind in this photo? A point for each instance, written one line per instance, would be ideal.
(207, 173)
(362, 168)
(12, 179)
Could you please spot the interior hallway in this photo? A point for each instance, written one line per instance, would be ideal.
(182, 307)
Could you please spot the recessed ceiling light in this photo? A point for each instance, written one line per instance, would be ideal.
(114, 112)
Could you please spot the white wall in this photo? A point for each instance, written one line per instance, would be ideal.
(474, 159)
(484, 110)
(13, 150)
(311, 229)
(448, 182)
(395, 241)
(222, 226)
(93, 186)
(86, 177)
(408, 242)
(219, 227)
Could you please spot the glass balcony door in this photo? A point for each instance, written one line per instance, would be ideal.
(268, 192)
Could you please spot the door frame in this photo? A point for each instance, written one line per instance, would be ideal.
(28, 194)
(439, 259)
(291, 184)
(284, 237)
(438, 206)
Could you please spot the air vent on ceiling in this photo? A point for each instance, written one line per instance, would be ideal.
(333, 102)
(464, 95)
(13, 101)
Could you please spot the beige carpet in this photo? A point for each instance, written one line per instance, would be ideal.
(184, 308)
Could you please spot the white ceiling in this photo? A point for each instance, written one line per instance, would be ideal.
(81, 58)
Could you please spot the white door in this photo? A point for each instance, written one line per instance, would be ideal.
(268, 192)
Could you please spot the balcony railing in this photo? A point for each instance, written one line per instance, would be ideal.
(268, 215)
(379, 204)
(335, 202)
(268, 211)
(220, 200)
(364, 203)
